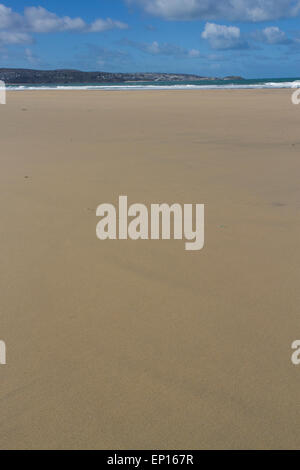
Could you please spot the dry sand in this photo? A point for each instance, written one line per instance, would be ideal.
(142, 345)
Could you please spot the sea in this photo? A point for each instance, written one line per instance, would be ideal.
(259, 83)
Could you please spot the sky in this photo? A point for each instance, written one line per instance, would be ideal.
(251, 38)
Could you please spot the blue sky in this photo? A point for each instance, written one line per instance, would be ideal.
(252, 38)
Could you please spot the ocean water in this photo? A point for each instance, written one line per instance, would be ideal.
(184, 85)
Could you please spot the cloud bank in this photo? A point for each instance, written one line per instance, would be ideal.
(233, 10)
(164, 49)
(16, 28)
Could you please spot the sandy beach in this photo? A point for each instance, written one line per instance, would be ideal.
(140, 344)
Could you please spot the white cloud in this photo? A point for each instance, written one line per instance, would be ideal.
(156, 48)
(162, 49)
(9, 19)
(272, 35)
(223, 37)
(233, 10)
(11, 37)
(194, 53)
(40, 20)
(31, 57)
(104, 25)
(153, 48)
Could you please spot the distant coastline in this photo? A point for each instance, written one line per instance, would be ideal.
(27, 79)
(68, 77)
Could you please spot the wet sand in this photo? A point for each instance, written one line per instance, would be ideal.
(140, 344)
